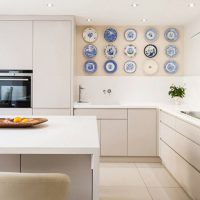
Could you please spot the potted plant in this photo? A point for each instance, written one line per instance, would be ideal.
(177, 93)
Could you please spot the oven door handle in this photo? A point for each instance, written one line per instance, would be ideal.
(12, 79)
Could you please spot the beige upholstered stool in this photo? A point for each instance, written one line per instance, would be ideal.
(34, 186)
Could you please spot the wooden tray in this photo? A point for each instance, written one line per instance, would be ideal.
(8, 123)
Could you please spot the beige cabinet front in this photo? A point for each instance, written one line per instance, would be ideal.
(142, 132)
(52, 44)
(113, 137)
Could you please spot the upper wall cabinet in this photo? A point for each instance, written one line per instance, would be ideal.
(52, 56)
(15, 44)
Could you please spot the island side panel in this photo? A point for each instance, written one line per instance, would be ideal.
(78, 167)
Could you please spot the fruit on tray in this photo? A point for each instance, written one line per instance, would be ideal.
(20, 120)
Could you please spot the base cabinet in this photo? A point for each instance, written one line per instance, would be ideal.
(113, 137)
(9, 163)
(142, 132)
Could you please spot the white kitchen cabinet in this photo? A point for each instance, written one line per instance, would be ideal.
(142, 132)
(16, 45)
(42, 112)
(113, 137)
(52, 59)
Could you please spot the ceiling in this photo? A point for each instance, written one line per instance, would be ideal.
(113, 12)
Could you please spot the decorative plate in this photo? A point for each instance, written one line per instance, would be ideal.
(130, 34)
(150, 51)
(110, 35)
(90, 51)
(110, 51)
(130, 51)
(151, 35)
(150, 67)
(171, 67)
(171, 51)
(90, 35)
(90, 66)
(130, 66)
(110, 66)
(171, 34)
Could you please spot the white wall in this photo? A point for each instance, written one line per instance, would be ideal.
(126, 89)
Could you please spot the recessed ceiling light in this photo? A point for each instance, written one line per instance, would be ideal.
(89, 20)
(144, 20)
(191, 5)
(134, 5)
(50, 5)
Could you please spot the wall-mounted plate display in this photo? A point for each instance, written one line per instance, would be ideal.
(130, 34)
(150, 51)
(130, 51)
(110, 66)
(171, 51)
(151, 35)
(90, 51)
(130, 66)
(110, 34)
(171, 67)
(110, 51)
(90, 35)
(90, 66)
(171, 34)
(150, 67)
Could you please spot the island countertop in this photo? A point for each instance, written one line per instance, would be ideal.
(60, 135)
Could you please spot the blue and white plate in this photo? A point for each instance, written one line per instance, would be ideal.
(110, 35)
(150, 67)
(171, 67)
(90, 35)
(171, 51)
(150, 51)
(130, 66)
(151, 35)
(110, 51)
(110, 66)
(90, 51)
(90, 66)
(130, 34)
(171, 34)
(130, 51)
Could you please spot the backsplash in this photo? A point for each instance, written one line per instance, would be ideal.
(140, 42)
(126, 89)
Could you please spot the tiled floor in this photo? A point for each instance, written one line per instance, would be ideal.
(138, 181)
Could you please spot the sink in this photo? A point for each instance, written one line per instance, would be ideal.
(192, 114)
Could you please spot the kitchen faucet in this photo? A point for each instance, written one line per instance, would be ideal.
(80, 88)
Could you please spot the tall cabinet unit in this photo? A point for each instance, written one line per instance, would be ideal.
(15, 44)
(52, 60)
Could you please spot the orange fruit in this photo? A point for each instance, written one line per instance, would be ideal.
(25, 120)
(17, 119)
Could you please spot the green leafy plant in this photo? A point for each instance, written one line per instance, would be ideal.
(176, 91)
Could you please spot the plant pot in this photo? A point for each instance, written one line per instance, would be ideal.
(178, 100)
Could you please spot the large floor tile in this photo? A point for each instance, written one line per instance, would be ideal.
(114, 165)
(157, 177)
(120, 176)
(149, 165)
(168, 194)
(124, 193)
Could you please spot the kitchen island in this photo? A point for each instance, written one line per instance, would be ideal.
(63, 144)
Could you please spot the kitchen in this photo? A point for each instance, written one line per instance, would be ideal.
(112, 88)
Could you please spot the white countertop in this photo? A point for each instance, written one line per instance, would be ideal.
(60, 135)
(169, 108)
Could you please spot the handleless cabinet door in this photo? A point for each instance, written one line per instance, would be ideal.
(113, 137)
(15, 44)
(51, 64)
(142, 132)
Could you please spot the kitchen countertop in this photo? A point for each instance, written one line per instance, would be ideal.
(168, 108)
(60, 135)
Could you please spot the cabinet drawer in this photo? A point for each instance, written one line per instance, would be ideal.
(189, 150)
(167, 119)
(103, 113)
(188, 130)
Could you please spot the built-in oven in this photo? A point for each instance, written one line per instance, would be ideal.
(16, 88)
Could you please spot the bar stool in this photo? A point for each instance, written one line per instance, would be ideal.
(34, 186)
